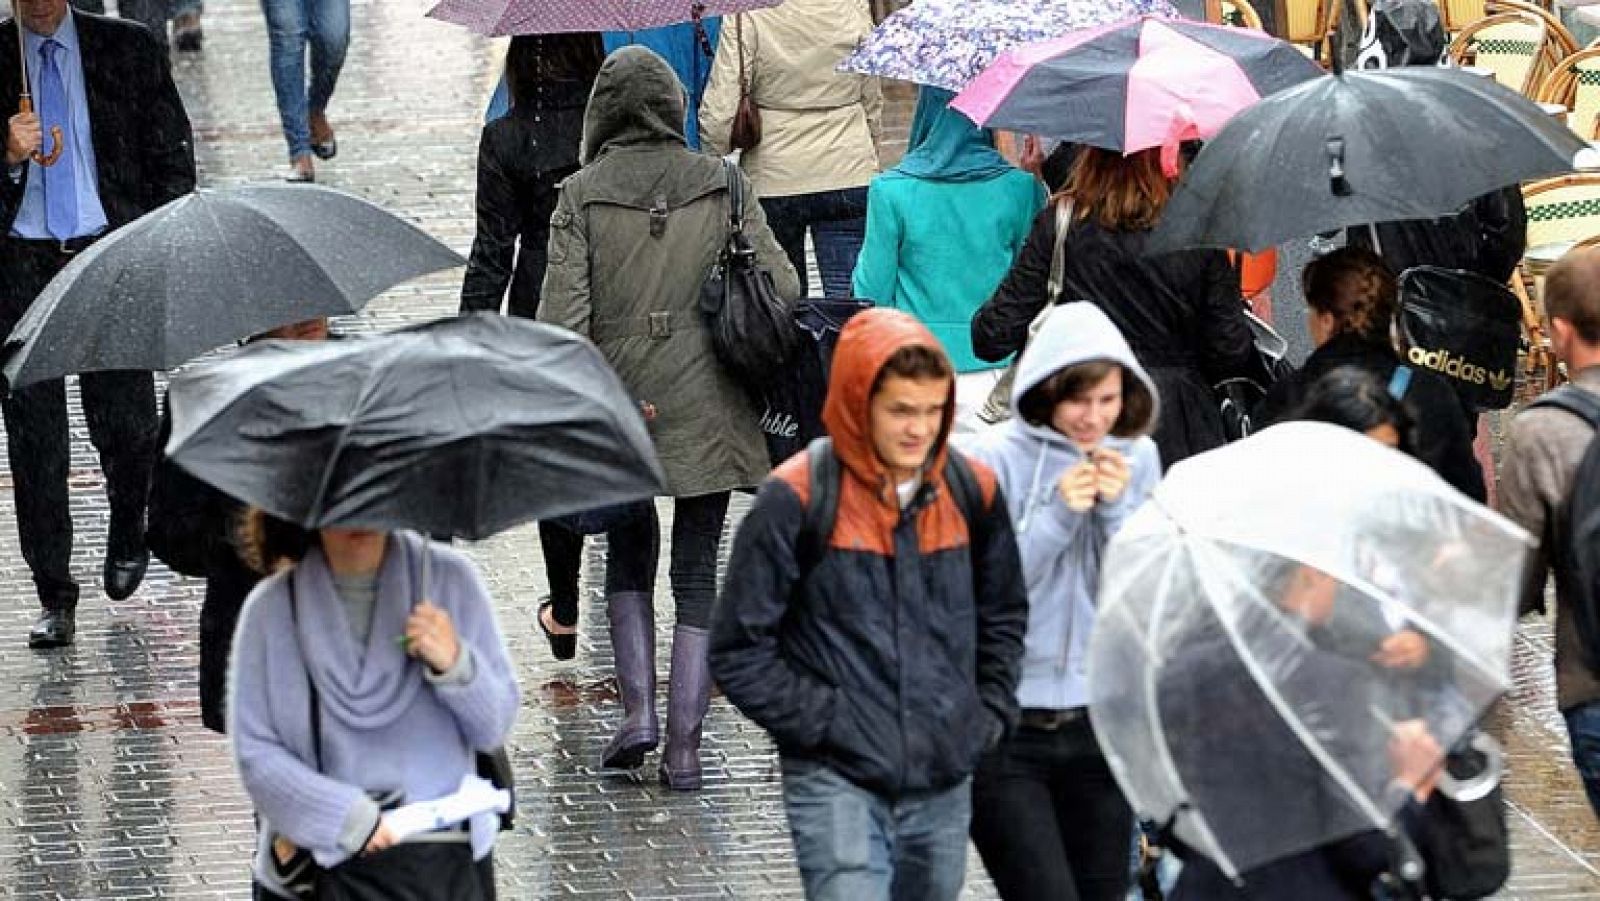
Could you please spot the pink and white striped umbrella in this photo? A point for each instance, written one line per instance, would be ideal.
(497, 18)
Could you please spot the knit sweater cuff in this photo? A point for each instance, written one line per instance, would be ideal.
(359, 825)
(460, 674)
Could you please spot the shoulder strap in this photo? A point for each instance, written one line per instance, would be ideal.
(1574, 400)
(735, 197)
(311, 682)
(964, 488)
(1058, 256)
(1400, 382)
(823, 508)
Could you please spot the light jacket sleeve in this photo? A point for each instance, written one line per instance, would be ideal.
(565, 298)
(486, 700)
(720, 101)
(792, 703)
(1001, 597)
(1144, 464)
(306, 807)
(878, 266)
(1527, 499)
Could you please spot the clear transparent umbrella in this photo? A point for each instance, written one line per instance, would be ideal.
(1248, 666)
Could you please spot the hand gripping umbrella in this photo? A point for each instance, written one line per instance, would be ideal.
(461, 427)
(25, 102)
(1237, 685)
(210, 268)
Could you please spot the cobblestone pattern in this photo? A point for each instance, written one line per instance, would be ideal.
(109, 786)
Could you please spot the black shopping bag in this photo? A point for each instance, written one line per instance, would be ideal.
(1465, 327)
(791, 414)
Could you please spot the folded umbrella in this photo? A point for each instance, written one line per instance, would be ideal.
(1357, 148)
(1147, 82)
(213, 267)
(497, 18)
(946, 43)
(1240, 685)
(461, 427)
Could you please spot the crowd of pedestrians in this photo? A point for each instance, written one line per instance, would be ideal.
(910, 602)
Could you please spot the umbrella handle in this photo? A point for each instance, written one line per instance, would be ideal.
(25, 105)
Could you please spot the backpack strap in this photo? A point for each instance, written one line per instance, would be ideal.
(823, 508)
(1574, 400)
(964, 487)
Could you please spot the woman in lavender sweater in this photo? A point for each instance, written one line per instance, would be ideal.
(407, 691)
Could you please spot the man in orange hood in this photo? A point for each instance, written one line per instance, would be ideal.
(881, 650)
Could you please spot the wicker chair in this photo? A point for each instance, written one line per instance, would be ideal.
(1563, 210)
(1458, 14)
(1239, 14)
(1575, 84)
(1309, 23)
(1560, 43)
(1512, 45)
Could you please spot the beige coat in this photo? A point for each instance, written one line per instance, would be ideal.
(819, 126)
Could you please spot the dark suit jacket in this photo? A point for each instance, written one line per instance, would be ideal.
(143, 146)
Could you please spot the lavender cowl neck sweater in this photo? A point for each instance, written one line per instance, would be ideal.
(385, 725)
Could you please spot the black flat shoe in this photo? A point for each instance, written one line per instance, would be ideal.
(326, 150)
(562, 647)
(123, 574)
(55, 629)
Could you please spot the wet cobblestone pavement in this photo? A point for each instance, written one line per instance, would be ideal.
(110, 787)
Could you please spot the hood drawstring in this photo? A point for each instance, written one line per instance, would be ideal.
(1033, 488)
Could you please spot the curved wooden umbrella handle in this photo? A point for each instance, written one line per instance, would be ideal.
(56, 143)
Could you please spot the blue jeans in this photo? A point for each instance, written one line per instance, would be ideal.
(291, 25)
(853, 845)
(837, 221)
(1583, 727)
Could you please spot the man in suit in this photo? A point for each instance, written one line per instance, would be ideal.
(125, 149)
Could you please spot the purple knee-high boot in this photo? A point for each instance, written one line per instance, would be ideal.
(633, 644)
(688, 696)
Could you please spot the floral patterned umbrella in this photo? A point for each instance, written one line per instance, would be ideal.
(946, 43)
(495, 18)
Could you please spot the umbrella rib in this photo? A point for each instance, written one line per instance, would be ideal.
(319, 500)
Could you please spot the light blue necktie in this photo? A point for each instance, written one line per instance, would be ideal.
(60, 180)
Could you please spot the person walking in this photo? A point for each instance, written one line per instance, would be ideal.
(632, 238)
(1182, 313)
(1543, 453)
(356, 686)
(819, 126)
(154, 14)
(1350, 302)
(879, 646)
(1074, 462)
(323, 26)
(942, 229)
(101, 82)
(522, 157)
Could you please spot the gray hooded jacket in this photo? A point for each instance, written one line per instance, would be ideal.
(632, 238)
(1061, 549)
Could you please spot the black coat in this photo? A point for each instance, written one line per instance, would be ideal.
(192, 531)
(522, 159)
(143, 145)
(1443, 433)
(1182, 313)
(1487, 237)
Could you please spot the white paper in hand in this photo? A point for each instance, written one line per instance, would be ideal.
(475, 796)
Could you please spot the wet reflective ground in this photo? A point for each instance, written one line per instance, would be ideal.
(110, 788)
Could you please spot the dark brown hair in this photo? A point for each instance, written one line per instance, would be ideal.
(1571, 292)
(267, 544)
(535, 58)
(1038, 404)
(1354, 286)
(1120, 193)
(915, 361)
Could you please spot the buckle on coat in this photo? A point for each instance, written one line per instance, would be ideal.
(661, 324)
(658, 218)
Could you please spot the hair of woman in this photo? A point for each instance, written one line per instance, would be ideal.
(536, 58)
(267, 544)
(1038, 405)
(1120, 193)
(1354, 286)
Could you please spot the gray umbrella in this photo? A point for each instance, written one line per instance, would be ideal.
(1360, 147)
(210, 268)
(461, 427)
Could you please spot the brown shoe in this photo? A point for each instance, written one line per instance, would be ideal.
(301, 170)
(323, 142)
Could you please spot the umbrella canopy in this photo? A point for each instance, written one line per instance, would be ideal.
(1148, 82)
(460, 427)
(497, 18)
(1357, 148)
(1236, 682)
(947, 43)
(211, 268)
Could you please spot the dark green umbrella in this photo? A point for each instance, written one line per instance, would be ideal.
(1357, 148)
(461, 427)
(211, 268)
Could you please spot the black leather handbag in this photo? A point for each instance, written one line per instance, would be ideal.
(753, 331)
(1466, 328)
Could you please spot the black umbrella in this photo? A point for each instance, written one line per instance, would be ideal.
(1357, 148)
(213, 267)
(460, 427)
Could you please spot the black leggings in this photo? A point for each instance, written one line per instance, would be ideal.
(563, 558)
